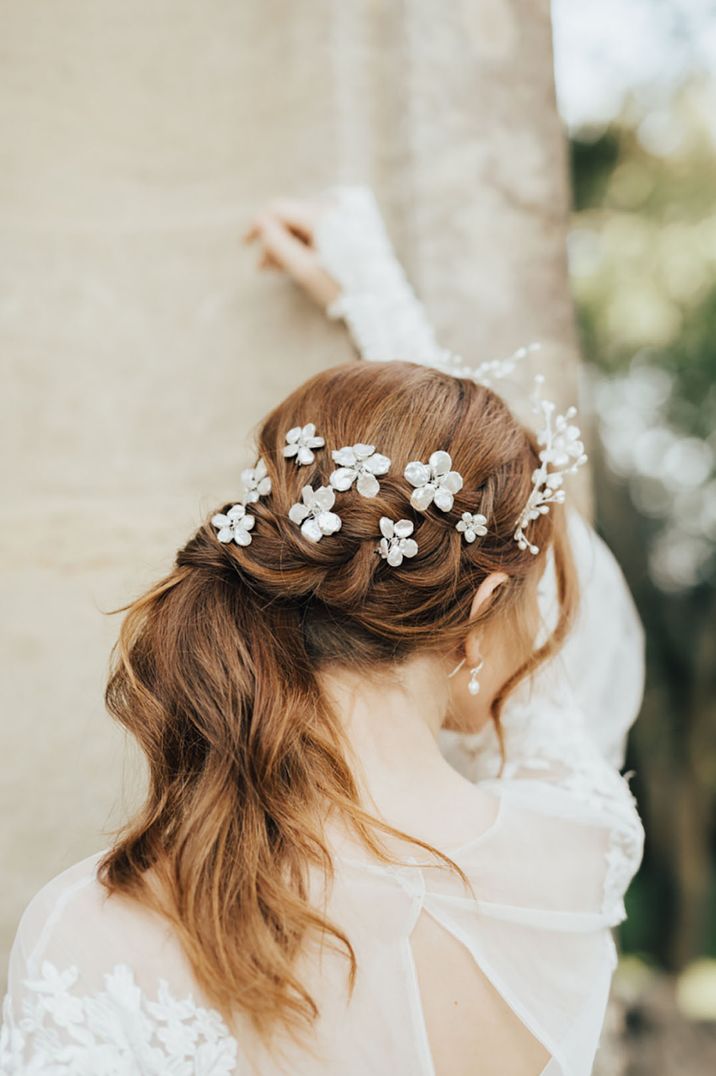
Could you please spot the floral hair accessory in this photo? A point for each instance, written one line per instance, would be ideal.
(256, 482)
(434, 482)
(360, 464)
(235, 526)
(300, 442)
(562, 452)
(313, 513)
(472, 526)
(396, 542)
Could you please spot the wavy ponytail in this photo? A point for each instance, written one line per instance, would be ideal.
(215, 674)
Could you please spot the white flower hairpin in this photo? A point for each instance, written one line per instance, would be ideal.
(235, 526)
(300, 442)
(256, 482)
(396, 542)
(472, 526)
(562, 452)
(360, 464)
(434, 482)
(313, 513)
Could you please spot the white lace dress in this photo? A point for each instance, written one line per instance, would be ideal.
(519, 971)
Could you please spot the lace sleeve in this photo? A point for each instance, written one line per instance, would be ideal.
(381, 311)
(98, 986)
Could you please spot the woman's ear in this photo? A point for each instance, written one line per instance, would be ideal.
(483, 594)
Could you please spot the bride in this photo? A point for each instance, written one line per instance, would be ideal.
(385, 830)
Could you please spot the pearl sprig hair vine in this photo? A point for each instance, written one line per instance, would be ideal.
(561, 453)
(434, 484)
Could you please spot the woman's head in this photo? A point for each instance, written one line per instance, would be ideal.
(218, 667)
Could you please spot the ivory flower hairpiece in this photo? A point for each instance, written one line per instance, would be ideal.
(471, 526)
(300, 442)
(313, 513)
(235, 526)
(434, 482)
(562, 452)
(360, 464)
(396, 542)
(256, 482)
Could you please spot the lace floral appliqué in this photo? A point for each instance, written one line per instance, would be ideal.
(116, 1032)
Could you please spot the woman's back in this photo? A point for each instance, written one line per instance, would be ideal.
(512, 977)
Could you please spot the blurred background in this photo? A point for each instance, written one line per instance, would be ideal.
(636, 87)
(139, 347)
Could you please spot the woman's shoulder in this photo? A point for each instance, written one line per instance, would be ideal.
(74, 920)
(76, 890)
(96, 977)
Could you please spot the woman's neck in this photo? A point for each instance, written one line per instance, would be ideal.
(391, 725)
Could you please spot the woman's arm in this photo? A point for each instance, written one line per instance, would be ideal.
(338, 250)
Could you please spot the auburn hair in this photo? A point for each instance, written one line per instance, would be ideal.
(215, 670)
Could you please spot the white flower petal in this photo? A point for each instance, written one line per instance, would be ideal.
(315, 442)
(328, 522)
(293, 435)
(304, 456)
(408, 547)
(346, 457)
(242, 536)
(237, 512)
(470, 535)
(264, 487)
(461, 525)
(383, 547)
(443, 500)
(403, 528)
(297, 513)
(387, 527)
(395, 557)
(220, 520)
(324, 498)
(343, 478)
(226, 534)
(290, 450)
(247, 522)
(368, 485)
(363, 451)
(452, 481)
(377, 464)
(309, 429)
(417, 473)
(311, 530)
(441, 462)
(422, 497)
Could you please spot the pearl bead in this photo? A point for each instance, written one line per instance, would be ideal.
(473, 686)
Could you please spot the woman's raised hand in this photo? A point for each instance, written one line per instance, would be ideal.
(285, 231)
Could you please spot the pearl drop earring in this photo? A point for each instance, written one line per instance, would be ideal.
(473, 684)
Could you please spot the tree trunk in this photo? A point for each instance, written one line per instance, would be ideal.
(140, 344)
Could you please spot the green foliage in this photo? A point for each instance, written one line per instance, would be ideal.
(643, 257)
